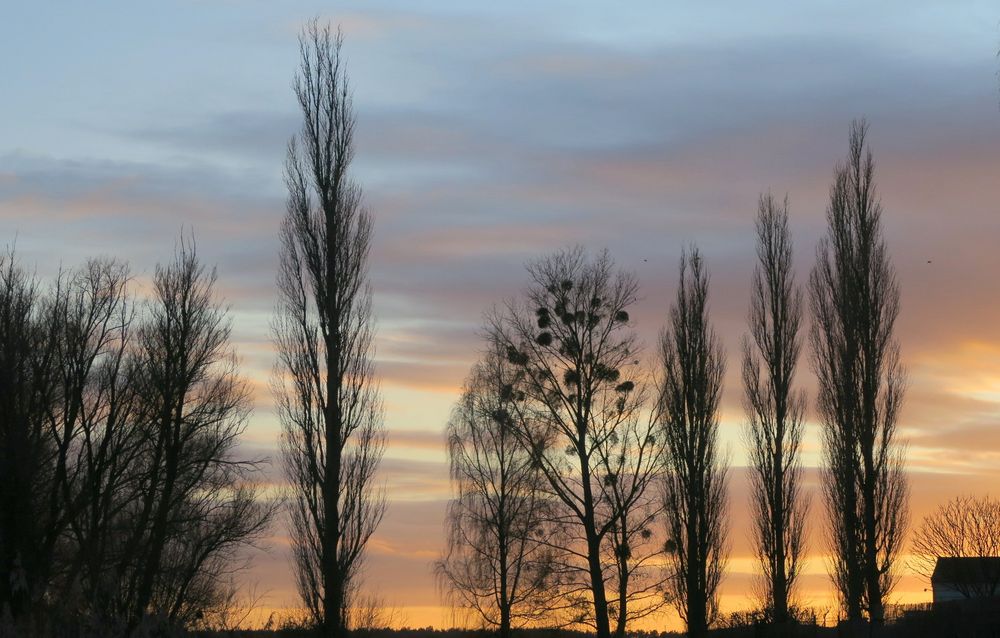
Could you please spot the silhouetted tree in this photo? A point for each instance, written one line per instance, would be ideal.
(198, 504)
(577, 360)
(695, 486)
(27, 393)
(774, 410)
(94, 428)
(499, 563)
(327, 395)
(966, 527)
(125, 441)
(68, 328)
(855, 302)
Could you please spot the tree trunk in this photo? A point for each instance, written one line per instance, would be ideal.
(855, 585)
(333, 580)
(697, 620)
(872, 581)
(504, 618)
(504, 586)
(602, 624)
(779, 578)
(622, 622)
(157, 535)
(152, 565)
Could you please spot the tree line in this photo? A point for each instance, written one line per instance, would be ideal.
(125, 499)
(590, 486)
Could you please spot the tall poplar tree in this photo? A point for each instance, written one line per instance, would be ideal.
(855, 302)
(774, 409)
(695, 487)
(327, 394)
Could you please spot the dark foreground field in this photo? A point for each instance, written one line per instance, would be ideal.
(926, 627)
(914, 622)
(922, 621)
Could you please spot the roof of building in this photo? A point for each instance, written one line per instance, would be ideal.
(970, 569)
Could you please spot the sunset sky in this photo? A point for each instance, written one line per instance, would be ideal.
(492, 133)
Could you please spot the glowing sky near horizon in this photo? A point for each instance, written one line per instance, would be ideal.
(491, 133)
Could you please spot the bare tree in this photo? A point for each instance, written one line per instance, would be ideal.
(109, 454)
(131, 489)
(499, 564)
(855, 302)
(27, 393)
(695, 484)
(964, 527)
(87, 321)
(198, 503)
(578, 365)
(371, 614)
(327, 395)
(774, 410)
(232, 611)
(95, 436)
